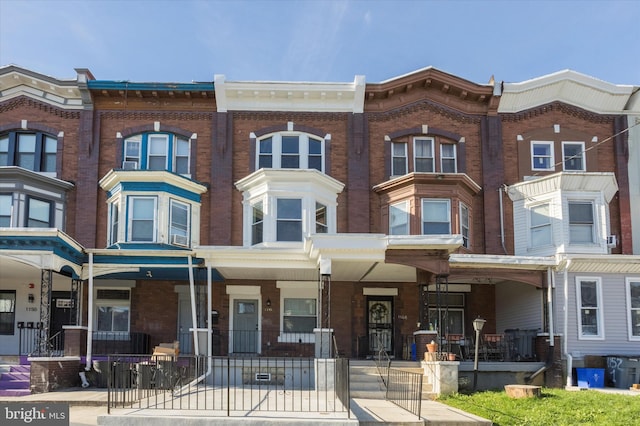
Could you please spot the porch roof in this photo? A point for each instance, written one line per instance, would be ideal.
(609, 264)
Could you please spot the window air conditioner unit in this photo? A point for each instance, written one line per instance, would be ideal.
(612, 241)
(129, 165)
(179, 240)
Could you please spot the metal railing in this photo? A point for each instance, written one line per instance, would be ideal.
(229, 386)
(403, 388)
(34, 342)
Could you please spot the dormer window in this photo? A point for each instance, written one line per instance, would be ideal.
(157, 151)
(290, 151)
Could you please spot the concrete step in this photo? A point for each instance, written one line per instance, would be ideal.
(15, 392)
(15, 376)
(21, 368)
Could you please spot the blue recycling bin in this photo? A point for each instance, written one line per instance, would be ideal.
(413, 352)
(590, 377)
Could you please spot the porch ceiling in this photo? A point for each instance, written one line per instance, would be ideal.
(13, 271)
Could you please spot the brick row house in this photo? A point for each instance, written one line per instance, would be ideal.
(244, 217)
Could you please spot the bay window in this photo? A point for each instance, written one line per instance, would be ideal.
(257, 221)
(289, 219)
(399, 218)
(6, 206)
(464, 225)
(540, 231)
(581, 222)
(321, 218)
(142, 223)
(436, 216)
(39, 213)
(179, 223)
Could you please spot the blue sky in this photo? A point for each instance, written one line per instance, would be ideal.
(321, 40)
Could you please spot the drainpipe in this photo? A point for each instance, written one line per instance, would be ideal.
(90, 316)
(502, 220)
(194, 321)
(209, 330)
(565, 345)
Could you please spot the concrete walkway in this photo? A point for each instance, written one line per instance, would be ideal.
(88, 408)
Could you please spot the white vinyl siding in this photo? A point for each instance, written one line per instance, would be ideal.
(518, 306)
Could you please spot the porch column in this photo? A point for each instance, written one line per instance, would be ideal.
(45, 312)
(74, 312)
(422, 278)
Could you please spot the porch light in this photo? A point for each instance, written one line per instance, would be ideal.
(478, 324)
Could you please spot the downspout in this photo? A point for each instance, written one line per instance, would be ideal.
(550, 352)
(502, 219)
(209, 324)
(194, 323)
(90, 316)
(565, 344)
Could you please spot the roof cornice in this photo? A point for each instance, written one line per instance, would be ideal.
(16, 82)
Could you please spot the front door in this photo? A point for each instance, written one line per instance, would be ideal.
(185, 336)
(380, 324)
(245, 326)
(60, 315)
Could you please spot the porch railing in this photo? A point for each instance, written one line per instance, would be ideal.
(268, 342)
(229, 386)
(120, 342)
(403, 388)
(34, 342)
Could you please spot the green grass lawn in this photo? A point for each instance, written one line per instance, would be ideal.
(554, 408)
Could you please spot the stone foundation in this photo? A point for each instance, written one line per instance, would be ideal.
(50, 374)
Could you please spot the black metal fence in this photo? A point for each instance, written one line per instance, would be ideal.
(33, 340)
(229, 386)
(404, 388)
(120, 342)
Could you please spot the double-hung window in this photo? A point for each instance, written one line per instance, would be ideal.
(590, 316)
(540, 220)
(299, 315)
(448, 158)
(115, 222)
(289, 221)
(542, 155)
(39, 213)
(398, 159)
(179, 223)
(581, 222)
(399, 218)
(436, 216)
(32, 151)
(633, 307)
(112, 310)
(290, 151)
(157, 151)
(573, 156)
(157, 147)
(7, 311)
(423, 154)
(142, 222)
(6, 206)
(464, 225)
(257, 223)
(321, 218)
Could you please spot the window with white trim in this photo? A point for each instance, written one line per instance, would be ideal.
(423, 153)
(290, 150)
(399, 218)
(448, 158)
(590, 317)
(179, 223)
(542, 157)
(464, 225)
(321, 219)
(34, 151)
(436, 216)
(114, 220)
(7, 312)
(633, 307)
(142, 219)
(398, 159)
(6, 206)
(573, 156)
(299, 311)
(112, 311)
(540, 230)
(157, 151)
(289, 219)
(39, 213)
(581, 222)
(257, 223)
